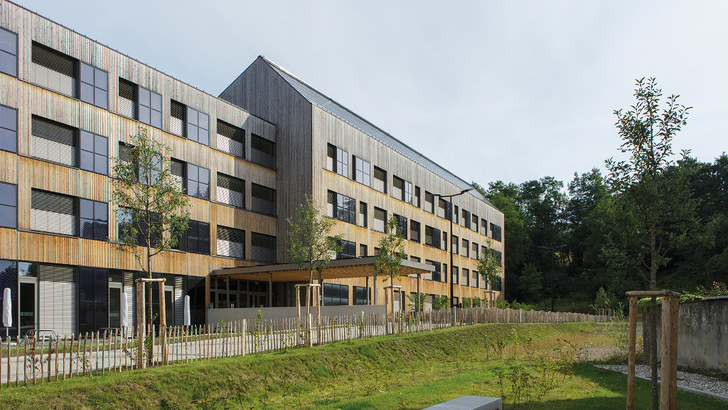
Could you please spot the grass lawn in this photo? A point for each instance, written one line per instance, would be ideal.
(530, 365)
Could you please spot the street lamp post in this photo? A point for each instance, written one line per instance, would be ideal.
(452, 283)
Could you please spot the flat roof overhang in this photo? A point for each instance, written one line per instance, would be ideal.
(336, 269)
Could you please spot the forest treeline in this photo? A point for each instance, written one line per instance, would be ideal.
(568, 242)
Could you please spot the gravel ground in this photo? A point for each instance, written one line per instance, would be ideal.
(694, 381)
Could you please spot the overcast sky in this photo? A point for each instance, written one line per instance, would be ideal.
(507, 90)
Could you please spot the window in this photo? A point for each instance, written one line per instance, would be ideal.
(415, 259)
(432, 237)
(198, 181)
(455, 214)
(263, 199)
(380, 219)
(380, 180)
(198, 126)
(177, 118)
(230, 242)
(53, 70)
(415, 231)
(94, 86)
(93, 299)
(53, 141)
(466, 248)
(50, 212)
(362, 171)
(498, 257)
(363, 250)
(466, 277)
(408, 193)
(455, 243)
(436, 275)
(150, 108)
(474, 253)
(443, 209)
(483, 227)
(230, 139)
(495, 232)
(455, 275)
(341, 207)
(337, 160)
(8, 52)
(126, 223)
(398, 188)
(94, 153)
(8, 205)
(262, 151)
(444, 241)
(93, 219)
(348, 250)
(196, 239)
(402, 228)
(474, 224)
(263, 247)
(230, 190)
(444, 273)
(361, 295)
(474, 278)
(8, 128)
(429, 202)
(417, 201)
(127, 104)
(335, 294)
(363, 214)
(497, 284)
(466, 219)
(177, 171)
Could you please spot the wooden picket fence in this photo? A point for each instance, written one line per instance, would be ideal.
(30, 361)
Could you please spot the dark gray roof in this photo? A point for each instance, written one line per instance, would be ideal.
(332, 107)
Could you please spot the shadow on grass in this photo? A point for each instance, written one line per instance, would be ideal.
(616, 383)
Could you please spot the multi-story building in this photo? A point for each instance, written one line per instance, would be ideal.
(246, 160)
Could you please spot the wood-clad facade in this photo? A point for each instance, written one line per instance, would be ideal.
(248, 158)
(309, 124)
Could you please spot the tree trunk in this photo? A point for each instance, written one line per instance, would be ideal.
(653, 316)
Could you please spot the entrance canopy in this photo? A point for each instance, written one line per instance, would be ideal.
(336, 269)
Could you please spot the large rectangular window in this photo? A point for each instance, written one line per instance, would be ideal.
(436, 275)
(51, 212)
(93, 219)
(263, 247)
(94, 153)
(8, 129)
(348, 250)
(380, 219)
(230, 139)
(198, 126)
(429, 202)
(466, 218)
(198, 181)
(94, 86)
(54, 71)
(495, 232)
(337, 160)
(474, 224)
(341, 207)
(262, 151)
(380, 180)
(455, 245)
(483, 227)
(335, 294)
(474, 253)
(455, 275)
(466, 277)
(409, 193)
(432, 237)
(263, 199)
(8, 205)
(362, 171)
(474, 278)
(415, 230)
(230, 242)
(93, 295)
(150, 108)
(196, 239)
(361, 294)
(443, 209)
(402, 228)
(53, 141)
(8, 52)
(230, 190)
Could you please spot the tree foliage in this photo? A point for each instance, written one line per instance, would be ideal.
(391, 251)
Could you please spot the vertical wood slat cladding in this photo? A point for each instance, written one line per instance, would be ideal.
(9, 243)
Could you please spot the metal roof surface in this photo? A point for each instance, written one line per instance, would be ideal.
(332, 107)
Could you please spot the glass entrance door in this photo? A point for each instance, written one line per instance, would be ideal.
(114, 305)
(27, 299)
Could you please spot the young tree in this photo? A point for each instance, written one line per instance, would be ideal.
(309, 245)
(153, 210)
(390, 253)
(658, 207)
(489, 264)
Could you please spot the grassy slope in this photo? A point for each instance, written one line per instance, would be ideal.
(411, 371)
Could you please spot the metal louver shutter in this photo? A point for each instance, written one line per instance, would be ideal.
(53, 213)
(178, 300)
(130, 291)
(57, 299)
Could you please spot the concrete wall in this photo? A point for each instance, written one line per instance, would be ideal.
(702, 338)
(251, 314)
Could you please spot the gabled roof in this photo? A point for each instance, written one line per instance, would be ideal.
(327, 104)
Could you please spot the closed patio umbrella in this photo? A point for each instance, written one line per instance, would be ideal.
(124, 312)
(187, 310)
(7, 311)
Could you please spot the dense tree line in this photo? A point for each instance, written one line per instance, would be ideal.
(615, 231)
